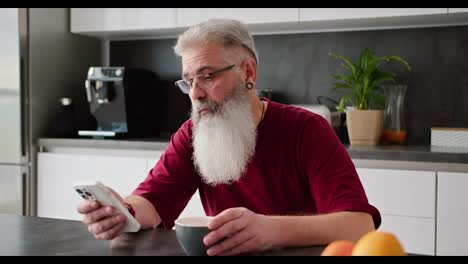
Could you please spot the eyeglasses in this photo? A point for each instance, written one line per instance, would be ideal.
(205, 80)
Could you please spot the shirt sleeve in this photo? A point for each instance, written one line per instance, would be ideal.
(333, 181)
(171, 183)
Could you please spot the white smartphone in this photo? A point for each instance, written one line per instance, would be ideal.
(96, 191)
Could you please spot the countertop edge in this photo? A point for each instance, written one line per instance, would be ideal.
(151, 145)
(422, 154)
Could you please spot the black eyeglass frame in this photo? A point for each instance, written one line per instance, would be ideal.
(185, 86)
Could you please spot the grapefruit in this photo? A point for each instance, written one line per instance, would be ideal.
(338, 248)
(378, 243)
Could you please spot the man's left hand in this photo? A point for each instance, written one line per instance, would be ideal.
(242, 231)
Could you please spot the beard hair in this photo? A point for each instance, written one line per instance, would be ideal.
(224, 139)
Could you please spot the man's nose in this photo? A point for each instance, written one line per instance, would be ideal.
(196, 92)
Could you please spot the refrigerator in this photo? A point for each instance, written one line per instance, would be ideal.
(14, 155)
(40, 62)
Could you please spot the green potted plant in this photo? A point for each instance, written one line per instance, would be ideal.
(363, 93)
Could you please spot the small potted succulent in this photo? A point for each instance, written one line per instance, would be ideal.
(363, 95)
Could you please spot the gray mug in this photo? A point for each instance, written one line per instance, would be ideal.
(190, 232)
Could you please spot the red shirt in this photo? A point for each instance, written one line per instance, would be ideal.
(300, 168)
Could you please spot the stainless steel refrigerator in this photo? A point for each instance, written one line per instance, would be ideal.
(14, 154)
(40, 61)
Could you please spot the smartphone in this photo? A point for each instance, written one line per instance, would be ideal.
(96, 191)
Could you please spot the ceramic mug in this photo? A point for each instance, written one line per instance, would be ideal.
(190, 232)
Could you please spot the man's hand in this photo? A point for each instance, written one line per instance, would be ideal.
(101, 221)
(243, 230)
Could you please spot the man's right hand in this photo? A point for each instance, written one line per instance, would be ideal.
(100, 220)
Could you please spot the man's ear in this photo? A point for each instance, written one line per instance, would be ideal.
(249, 69)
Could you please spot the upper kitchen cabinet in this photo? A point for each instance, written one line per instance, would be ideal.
(254, 17)
(137, 23)
(347, 19)
(109, 22)
(457, 10)
(314, 14)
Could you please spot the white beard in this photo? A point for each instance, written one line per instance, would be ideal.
(224, 139)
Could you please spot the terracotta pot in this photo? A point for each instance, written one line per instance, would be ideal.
(365, 126)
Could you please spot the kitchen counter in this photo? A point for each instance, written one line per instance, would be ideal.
(409, 153)
(24, 235)
(123, 144)
(387, 153)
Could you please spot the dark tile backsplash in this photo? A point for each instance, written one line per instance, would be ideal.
(296, 68)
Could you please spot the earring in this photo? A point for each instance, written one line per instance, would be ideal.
(249, 85)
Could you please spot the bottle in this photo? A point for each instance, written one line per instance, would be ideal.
(394, 131)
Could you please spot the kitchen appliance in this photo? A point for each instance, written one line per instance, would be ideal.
(124, 101)
(64, 124)
(338, 118)
(321, 110)
(39, 61)
(326, 108)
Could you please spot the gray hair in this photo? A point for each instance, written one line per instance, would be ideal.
(227, 32)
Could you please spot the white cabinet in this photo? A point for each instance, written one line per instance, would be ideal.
(190, 16)
(400, 192)
(416, 234)
(314, 14)
(452, 213)
(457, 10)
(58, 171)
(141, 23)
(406, 201)
(150, 162)
(121, 19)
(194, 207)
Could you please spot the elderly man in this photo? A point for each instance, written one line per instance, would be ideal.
(272, 175)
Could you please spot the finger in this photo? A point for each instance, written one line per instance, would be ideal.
(230, 243)
(228, 229)
(98, 214)
(111, 233)
(105, 225)
(247, 246)
(225, 216)
(87, 206)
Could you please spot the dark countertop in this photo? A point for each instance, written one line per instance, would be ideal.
(23, 235)
(394, 153)
(410, 153)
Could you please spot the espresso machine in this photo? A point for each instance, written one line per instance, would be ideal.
(124, 102)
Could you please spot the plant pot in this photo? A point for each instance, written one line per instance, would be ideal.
(365, 126)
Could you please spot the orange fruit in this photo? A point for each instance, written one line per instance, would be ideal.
(378, 243)
(338, 248)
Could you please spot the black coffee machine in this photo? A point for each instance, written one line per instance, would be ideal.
(124, 101)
